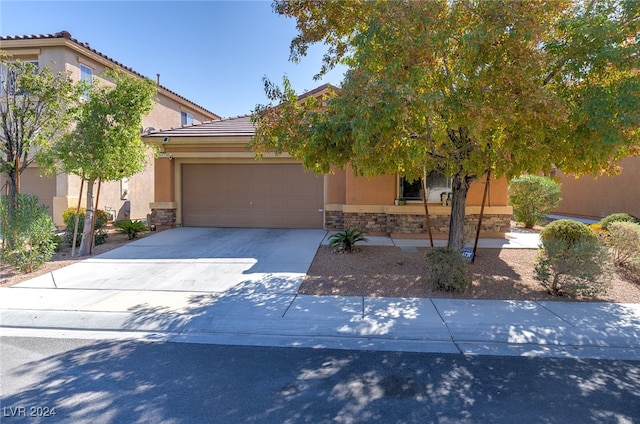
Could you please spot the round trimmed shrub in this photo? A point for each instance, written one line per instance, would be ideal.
(618, 217)
(446, 270)
(533, 198)
(572, 261)
(624, 240)
(569, 231)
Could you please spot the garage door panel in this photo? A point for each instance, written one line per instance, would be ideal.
(252, 195)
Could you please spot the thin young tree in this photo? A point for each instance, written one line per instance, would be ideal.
(105, 144)
(36, 107)
(464, 87)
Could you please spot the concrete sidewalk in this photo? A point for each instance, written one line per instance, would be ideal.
(265, 309)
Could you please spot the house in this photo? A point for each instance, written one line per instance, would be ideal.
(590, 197)
(206, 176)
(128, 198)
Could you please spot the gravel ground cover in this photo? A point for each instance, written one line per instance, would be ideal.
(384, 271)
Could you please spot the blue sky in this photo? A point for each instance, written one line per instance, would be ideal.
(215, 53)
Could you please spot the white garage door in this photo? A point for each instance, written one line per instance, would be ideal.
(251, 195)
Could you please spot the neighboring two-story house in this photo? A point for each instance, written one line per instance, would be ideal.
(129, 198)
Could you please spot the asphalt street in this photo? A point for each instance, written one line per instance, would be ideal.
(46, 380)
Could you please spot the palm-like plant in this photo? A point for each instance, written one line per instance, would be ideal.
(130, 228)
(346, 240)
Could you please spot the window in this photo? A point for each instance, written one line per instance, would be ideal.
(410, 190)
(86, 77)
(186, 118)
(437, 184)
(8, 78)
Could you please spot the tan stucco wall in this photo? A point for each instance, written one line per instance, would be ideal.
(164, 181)
(597, 198)
(497, 195)
(336, 188)
(380, 190)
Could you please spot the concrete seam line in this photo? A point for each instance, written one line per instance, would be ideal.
(289, 306)
(455, 343)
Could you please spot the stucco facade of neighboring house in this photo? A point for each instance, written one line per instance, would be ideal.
(129, 198)
(206, 176)
(596, 198)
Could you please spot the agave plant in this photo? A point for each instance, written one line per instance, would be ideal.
(346, 240)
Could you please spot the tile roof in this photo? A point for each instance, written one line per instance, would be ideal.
(229, 127)
(318, 90)
(66, 35)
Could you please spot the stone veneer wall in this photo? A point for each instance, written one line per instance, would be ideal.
(163, 217)
(334, 220)
(410, 223)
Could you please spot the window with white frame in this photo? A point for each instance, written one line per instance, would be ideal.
(86, 77)
(8, 78)
(438, 188)
(186, 118)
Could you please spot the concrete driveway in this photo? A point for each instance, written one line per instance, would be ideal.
(194, 260)
(163, 281)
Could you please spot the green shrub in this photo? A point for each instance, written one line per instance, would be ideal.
(624, 240)
(130, 228)
(69, 217)
(446, 270)
(346, 240)
(533, 198)
(576, 269)
(568, 231)
(572, 261)
(30, 232)
(57, 241)
(618, 217)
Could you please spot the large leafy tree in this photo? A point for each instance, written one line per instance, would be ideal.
(36, 107)
(105, 144)
(466, 87)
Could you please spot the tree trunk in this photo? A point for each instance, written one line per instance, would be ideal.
(88, 221)
(77, 220)
(93, 223)
(459, 189)
(12, 204)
